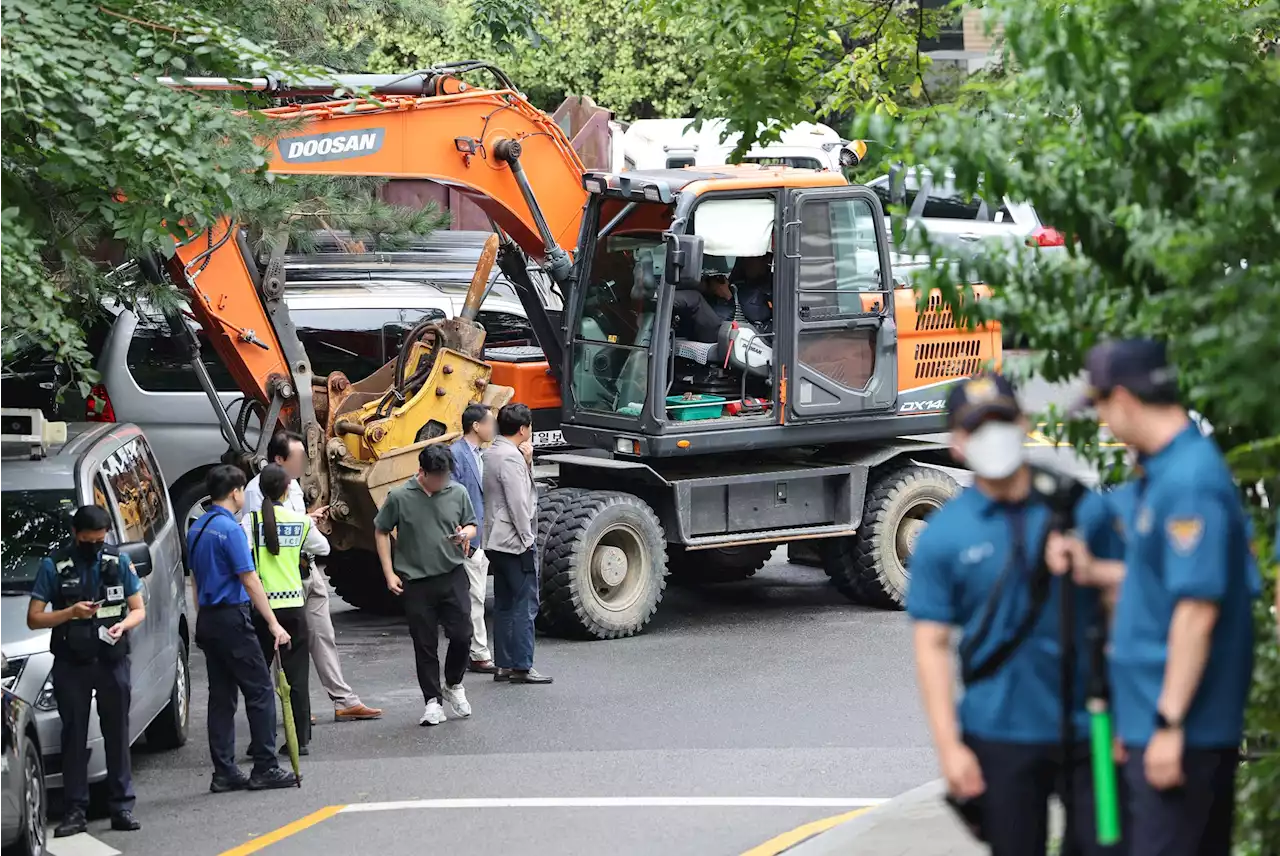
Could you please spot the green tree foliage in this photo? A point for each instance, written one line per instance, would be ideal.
(1149, 132)
(615, 51)
(329, 33)
(95, 150)
(787, 61)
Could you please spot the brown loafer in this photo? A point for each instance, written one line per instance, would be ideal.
(359, 711)
(484, 667)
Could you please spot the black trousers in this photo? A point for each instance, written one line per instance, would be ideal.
(429, 605)
(295, 660)
(1195, 819)
(235, 663)
(1020, 778)
(73, 688)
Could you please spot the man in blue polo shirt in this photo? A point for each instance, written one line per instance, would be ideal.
(227, 584)
(977, 566)
(1182, 643)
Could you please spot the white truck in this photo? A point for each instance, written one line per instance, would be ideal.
(672, 144)
(606, 144)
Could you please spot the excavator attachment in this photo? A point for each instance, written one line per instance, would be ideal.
(375, 428)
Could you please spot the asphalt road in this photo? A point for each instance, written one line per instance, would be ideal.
(774, 688)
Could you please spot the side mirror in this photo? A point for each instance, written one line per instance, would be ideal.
(139, 556)
(684, 259)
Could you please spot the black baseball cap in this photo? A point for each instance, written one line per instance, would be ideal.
(979, 398)
(1139, 365)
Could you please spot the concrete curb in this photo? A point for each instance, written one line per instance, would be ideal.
(914, 822)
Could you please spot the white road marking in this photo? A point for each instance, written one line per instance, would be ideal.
(618, 802)
(83, 844)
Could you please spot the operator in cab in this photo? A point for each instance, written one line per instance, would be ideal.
(752, 284)
(700, 312)
(979, 566)
(94, 599)
(1182, 640)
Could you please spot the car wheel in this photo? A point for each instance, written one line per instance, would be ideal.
(169, 729)
(31, 829)
(190, 505)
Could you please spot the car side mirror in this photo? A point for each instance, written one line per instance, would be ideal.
(139, 556)
(684, 259)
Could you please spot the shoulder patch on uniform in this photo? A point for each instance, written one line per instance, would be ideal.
(1185, 533)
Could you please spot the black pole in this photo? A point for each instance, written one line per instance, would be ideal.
(1067, 679)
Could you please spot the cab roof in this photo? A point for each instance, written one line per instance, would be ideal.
(661, 185)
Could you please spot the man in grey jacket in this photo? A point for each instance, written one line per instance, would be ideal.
(511, 504)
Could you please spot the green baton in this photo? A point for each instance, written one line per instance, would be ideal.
(1106, 796)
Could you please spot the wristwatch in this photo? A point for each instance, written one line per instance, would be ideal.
(1163, 723)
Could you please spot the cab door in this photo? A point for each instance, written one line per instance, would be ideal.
(843, 341)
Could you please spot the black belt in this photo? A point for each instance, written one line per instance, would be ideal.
(218, 606)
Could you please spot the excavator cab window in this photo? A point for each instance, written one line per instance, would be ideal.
(619, 312)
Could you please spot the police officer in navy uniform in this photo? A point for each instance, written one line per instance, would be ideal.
(976, 567)
(1182, 640)
(94, 600)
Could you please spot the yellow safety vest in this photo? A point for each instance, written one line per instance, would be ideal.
(281, 574)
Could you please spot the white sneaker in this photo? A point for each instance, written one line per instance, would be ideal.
(457, 698)
(433, 715)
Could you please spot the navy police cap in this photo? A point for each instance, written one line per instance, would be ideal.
(1139, 365)
(979, 398)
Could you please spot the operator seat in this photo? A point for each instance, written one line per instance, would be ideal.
(633, 379)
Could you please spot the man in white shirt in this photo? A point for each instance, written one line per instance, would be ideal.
(478, 429)
(288, 450)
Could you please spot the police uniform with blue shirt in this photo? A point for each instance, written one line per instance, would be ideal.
(1186, 538)
(976, 567)
(86, 664)
(219, 553)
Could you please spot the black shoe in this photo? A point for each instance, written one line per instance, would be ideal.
(502, 675)
(73, 824)
(302, 750)
(124, 821)
(227, 784)
(269, 780)
(530, 677)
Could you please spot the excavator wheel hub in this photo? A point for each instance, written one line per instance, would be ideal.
(610, 565)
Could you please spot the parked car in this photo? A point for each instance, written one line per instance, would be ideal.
(111, 466)
(350, 325)
(23, 788)
(957, 222)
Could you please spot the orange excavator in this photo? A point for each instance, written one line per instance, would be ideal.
(701, 445)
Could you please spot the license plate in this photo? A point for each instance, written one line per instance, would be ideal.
(548, 438)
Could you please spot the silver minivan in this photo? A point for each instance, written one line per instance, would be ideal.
(111, 466)
(346, 322)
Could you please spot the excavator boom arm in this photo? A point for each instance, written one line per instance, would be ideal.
(473, 140)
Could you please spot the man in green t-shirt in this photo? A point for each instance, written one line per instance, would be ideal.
(434, 524)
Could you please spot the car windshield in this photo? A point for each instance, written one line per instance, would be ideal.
(34, 522)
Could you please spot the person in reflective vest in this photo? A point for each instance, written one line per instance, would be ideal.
(278, 535)
(94, 599)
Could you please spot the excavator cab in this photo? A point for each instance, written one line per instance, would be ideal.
(644, 383)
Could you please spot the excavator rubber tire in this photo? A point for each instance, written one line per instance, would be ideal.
(866, 567)
(551, 504)
(718, 565)
(356, 575)
(576, 603)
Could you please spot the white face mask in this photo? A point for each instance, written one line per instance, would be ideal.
(996, 450)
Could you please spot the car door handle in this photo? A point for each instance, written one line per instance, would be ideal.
(969, 236)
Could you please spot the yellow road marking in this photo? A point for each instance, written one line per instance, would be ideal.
(264, 841)
(779, 843)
